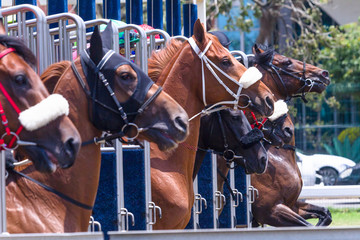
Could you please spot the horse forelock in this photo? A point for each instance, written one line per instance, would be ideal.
(20, 47)
(159, 60)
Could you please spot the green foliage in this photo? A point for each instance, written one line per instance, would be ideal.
(342, 57)
(352, 133)
(345, 148)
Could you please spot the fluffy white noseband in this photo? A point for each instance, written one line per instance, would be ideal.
(44, 112)
(250, 76)
(280, 108)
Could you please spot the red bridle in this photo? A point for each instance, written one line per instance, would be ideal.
(257, 124)
(4, 120)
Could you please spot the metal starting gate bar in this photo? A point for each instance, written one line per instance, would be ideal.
(31, 31)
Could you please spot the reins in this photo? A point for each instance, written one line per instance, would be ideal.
(52, 190)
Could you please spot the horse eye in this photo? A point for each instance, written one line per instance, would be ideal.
(287, 62)
(125, 76)
(226, 62)
(21, 80)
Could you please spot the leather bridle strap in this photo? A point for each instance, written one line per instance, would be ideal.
(52, 190)
(13, 104)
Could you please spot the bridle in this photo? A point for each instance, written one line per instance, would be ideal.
(307, 82)
(228, 154)
(23, 117)
(210, 66)
(119, 107)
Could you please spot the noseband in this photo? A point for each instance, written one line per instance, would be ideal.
(100, 75)
(306, 81)
(210, 66)
(32, 118)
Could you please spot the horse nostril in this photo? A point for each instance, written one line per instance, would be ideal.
(270, 103)
(71, 147)
(325, 74)
(181, 123)
(288, 132)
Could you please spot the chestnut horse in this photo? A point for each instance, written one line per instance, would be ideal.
(31, 208)
(279, 187)
(32, 120)
(186, 72)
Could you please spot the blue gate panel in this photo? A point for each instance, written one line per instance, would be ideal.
(86, 9)
(155, 14)
(190, 17)
(173, 17)
(105, 204)
(134, 12)
(206, 190)
(240, 184)
(111, 9)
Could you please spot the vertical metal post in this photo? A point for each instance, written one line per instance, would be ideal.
(190, 16)
(173, 17)
(148, 200)
(219, 199)
(2, 193)
(249, 197)
(202, 11)
(120, 184)
(196, 204)
(233, 201)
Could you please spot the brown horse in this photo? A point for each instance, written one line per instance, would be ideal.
(48, 136)
(178, 68)
(279, 187)
(31, 208)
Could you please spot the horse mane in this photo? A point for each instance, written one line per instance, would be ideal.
(265, 57)
(52, 74)
(160, 59)
(20, 47)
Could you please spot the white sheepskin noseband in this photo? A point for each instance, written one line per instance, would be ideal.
(250, 76)
(280, 108)
(44, 112)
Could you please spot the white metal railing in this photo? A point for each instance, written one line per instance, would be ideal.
(311, 192)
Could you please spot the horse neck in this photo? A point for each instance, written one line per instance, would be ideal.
(80, 182)
(180, 82)
(87, 164)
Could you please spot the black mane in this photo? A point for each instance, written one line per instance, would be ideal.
(265, 57)
(21, 49)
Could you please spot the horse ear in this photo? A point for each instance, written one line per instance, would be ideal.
(96, 49)
(199, 31)
(2, 28)
(256, 49)
(106, 36)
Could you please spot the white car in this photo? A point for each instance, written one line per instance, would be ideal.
(321, 168)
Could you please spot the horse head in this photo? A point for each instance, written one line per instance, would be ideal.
(290, 76)
(225, 79)
(229, 133)
(279, 129)
(130, 101)
(32, 121)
